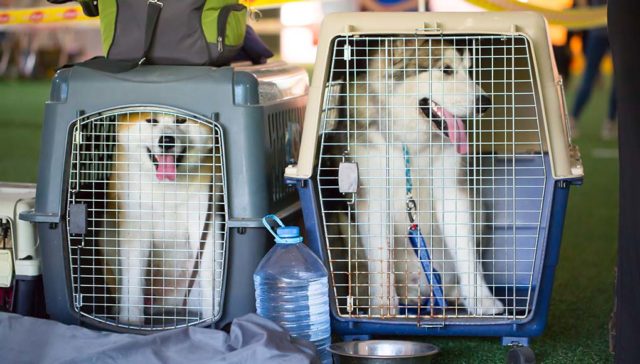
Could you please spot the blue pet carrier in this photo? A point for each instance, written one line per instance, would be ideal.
(477, 102)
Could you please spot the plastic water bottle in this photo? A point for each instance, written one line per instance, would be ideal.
(292, 288)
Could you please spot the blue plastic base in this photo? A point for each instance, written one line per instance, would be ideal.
(515, 341)
(513, 331)
(356, 337)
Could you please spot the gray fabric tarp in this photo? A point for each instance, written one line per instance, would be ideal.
(251, 339)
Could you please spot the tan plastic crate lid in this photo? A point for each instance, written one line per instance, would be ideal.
(565, 157)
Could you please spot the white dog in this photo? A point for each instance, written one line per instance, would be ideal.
(161, 207)
(414, 97)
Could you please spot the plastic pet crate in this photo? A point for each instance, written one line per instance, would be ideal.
(434, 172)
(151, 187)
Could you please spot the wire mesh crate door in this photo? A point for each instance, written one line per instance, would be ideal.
(149, 184)
(446, 137)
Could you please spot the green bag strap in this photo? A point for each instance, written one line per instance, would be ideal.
(153, 14)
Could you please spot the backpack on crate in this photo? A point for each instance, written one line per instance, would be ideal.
(175, 32)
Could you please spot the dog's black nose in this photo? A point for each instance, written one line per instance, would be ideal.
(167, 142)
(483, 103)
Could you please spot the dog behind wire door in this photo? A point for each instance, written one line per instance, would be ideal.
(163, 221)
(414, 95)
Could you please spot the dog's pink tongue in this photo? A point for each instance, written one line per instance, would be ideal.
(457, 131)
(166, 167)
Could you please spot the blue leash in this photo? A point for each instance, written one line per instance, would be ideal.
(417, 240)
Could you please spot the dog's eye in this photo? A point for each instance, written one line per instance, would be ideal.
(152, 121)
(447, 70)
(181, 120)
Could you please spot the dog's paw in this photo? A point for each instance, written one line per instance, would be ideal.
(384, 307)
(485, 306)
(131, 317)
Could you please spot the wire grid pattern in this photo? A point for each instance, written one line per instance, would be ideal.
(6, 233)
(6, 243)
(386, 93)
(153, 180)
(284, 133)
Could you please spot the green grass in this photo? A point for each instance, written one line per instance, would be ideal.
(21, 113)
(583, 291)
(582, 300)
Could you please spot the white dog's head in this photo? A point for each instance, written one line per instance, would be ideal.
(164, 144)
(433, 90)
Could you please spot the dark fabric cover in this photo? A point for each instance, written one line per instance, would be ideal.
(253, 49)
(251, 339)
(624, 28)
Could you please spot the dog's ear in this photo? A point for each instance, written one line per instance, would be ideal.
(416, 53)
(402, 49)
(465, 53)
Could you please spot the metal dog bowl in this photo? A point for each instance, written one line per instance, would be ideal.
(382, 352)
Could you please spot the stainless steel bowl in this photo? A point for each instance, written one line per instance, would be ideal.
(382, 352)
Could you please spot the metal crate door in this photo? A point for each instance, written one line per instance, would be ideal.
(440, 134)
(146, 218)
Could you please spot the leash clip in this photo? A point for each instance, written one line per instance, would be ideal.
(411, 208)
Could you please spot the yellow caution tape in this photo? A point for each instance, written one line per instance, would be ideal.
(267, 3)
(575, 19)
(73, 13)
(581, 18)
(46, 15)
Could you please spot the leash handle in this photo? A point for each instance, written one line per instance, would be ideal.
(433, 276)
(417, 240)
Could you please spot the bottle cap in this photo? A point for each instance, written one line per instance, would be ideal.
(288, 235)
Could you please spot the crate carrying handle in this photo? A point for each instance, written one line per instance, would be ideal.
(265, 222)
(153, 14)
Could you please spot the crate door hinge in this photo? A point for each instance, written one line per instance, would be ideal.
(78, 301)
(347, 52)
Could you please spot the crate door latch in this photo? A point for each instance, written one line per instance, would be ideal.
(78, 219)
(348, 177)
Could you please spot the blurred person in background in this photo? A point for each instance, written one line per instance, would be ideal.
(340, 6)
(389, 5)
(624, 28)
(596, 47)
(37, 51)
(6, 43)
(560, 36)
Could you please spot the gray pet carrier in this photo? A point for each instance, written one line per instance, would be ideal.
(151, 185)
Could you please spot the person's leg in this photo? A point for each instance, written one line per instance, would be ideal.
(562, 55)
(624, 28)
(595, 49)
(613, 102)
(610, 125)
